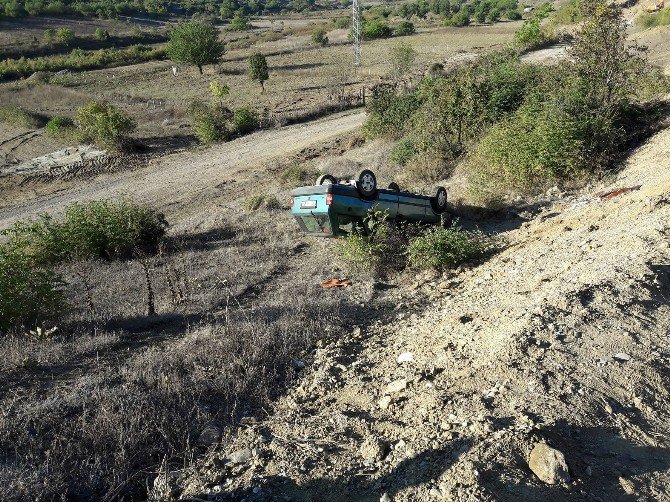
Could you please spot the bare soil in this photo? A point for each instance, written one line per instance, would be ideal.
(561, 338)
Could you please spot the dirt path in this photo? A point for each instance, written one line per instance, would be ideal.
(561, 338)
(174, 183)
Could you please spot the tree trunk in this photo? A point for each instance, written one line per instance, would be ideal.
(200, 68)
(262, 87)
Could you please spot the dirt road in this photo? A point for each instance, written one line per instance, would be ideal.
(174, 182)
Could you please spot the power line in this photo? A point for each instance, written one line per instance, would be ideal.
(356, 30)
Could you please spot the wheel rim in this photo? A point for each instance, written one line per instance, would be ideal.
(442, 198)
(368, 182)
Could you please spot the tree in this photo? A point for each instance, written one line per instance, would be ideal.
(258, 69)
(402, 59)
(104, 124)
(195, 42)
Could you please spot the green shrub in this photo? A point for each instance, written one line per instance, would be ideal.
(107, 229)
(403, 151)
(210, 122)
(442, 248)
(460, 19)
(402, 59)
(494, 16)
(239, 23)
(376, 29)
(389, 114)
(660, 18)
(57, 126)
(319, 37)
(403, 29)
(514, 15)
(104, 124)
(102, 35)
(64, 36)
(297, 175)
(30, 292)
(378, 247)
(267, 202)
(245, 120)
(342, 22)
(19, 117)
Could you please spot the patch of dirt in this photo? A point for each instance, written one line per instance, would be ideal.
(561, 338)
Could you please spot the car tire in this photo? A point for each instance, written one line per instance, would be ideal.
(326, 179)
(439, 200)
(394, 186)
(366, 184)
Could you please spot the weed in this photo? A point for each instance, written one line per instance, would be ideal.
(267, 202)
(297, 175)
(19, 117)
(104, 124)
(441, 247)
(245, 120)
(59, 126)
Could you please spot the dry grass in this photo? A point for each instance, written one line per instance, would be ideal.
(94, 409)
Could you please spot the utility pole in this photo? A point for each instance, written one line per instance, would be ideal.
(356, 30)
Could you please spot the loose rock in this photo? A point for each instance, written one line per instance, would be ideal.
(548, 464)
(396, 386)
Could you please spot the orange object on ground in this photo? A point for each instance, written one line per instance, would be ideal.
(335, 283)
(618, 191)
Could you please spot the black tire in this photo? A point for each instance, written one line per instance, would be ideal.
(326, 179)
(366, 184)
(439, 200)
(394, 186)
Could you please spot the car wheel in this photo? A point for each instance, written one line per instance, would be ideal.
(366, 183)
(439, 200)
(394, 186)
(326, 179)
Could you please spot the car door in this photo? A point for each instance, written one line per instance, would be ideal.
(387, 202)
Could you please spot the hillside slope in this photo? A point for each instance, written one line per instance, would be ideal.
(562, 338)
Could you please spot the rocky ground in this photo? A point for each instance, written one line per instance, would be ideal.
(540, 374)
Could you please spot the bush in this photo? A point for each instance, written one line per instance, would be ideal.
(660, 18)
(30, 291)
(104, 124)
(239, 23)
(377, 248)
(64, 36)
(403, 29)
(403, 151)
(297, 175)
(460, 19)
(58, 126)
(267, 202)
(441, 247)
(245, 120)
(428, 167)
(102, 35)
(319, 37)
(210, 122)
(107, 229)
(389, 114)
(376, 29)
(402, 59)
(494, 15)
(342, 22)
(19, 117)
(514, 15)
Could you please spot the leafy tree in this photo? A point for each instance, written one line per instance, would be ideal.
(494, 15)
(376, 29)
(460, 19)
(258, 69)
(402, 59)
(195, 42)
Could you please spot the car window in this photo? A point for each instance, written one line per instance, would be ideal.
(316, 224)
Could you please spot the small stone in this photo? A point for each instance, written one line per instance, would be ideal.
(240, 456)
(434, 492)
(385, 402)
(385, 498)
(588, 471)
(300, 364)
(608, 408)
(622, 357)
(209, 435)
(372, 448)
(406, 357)
(548, 464)
(396, 386)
